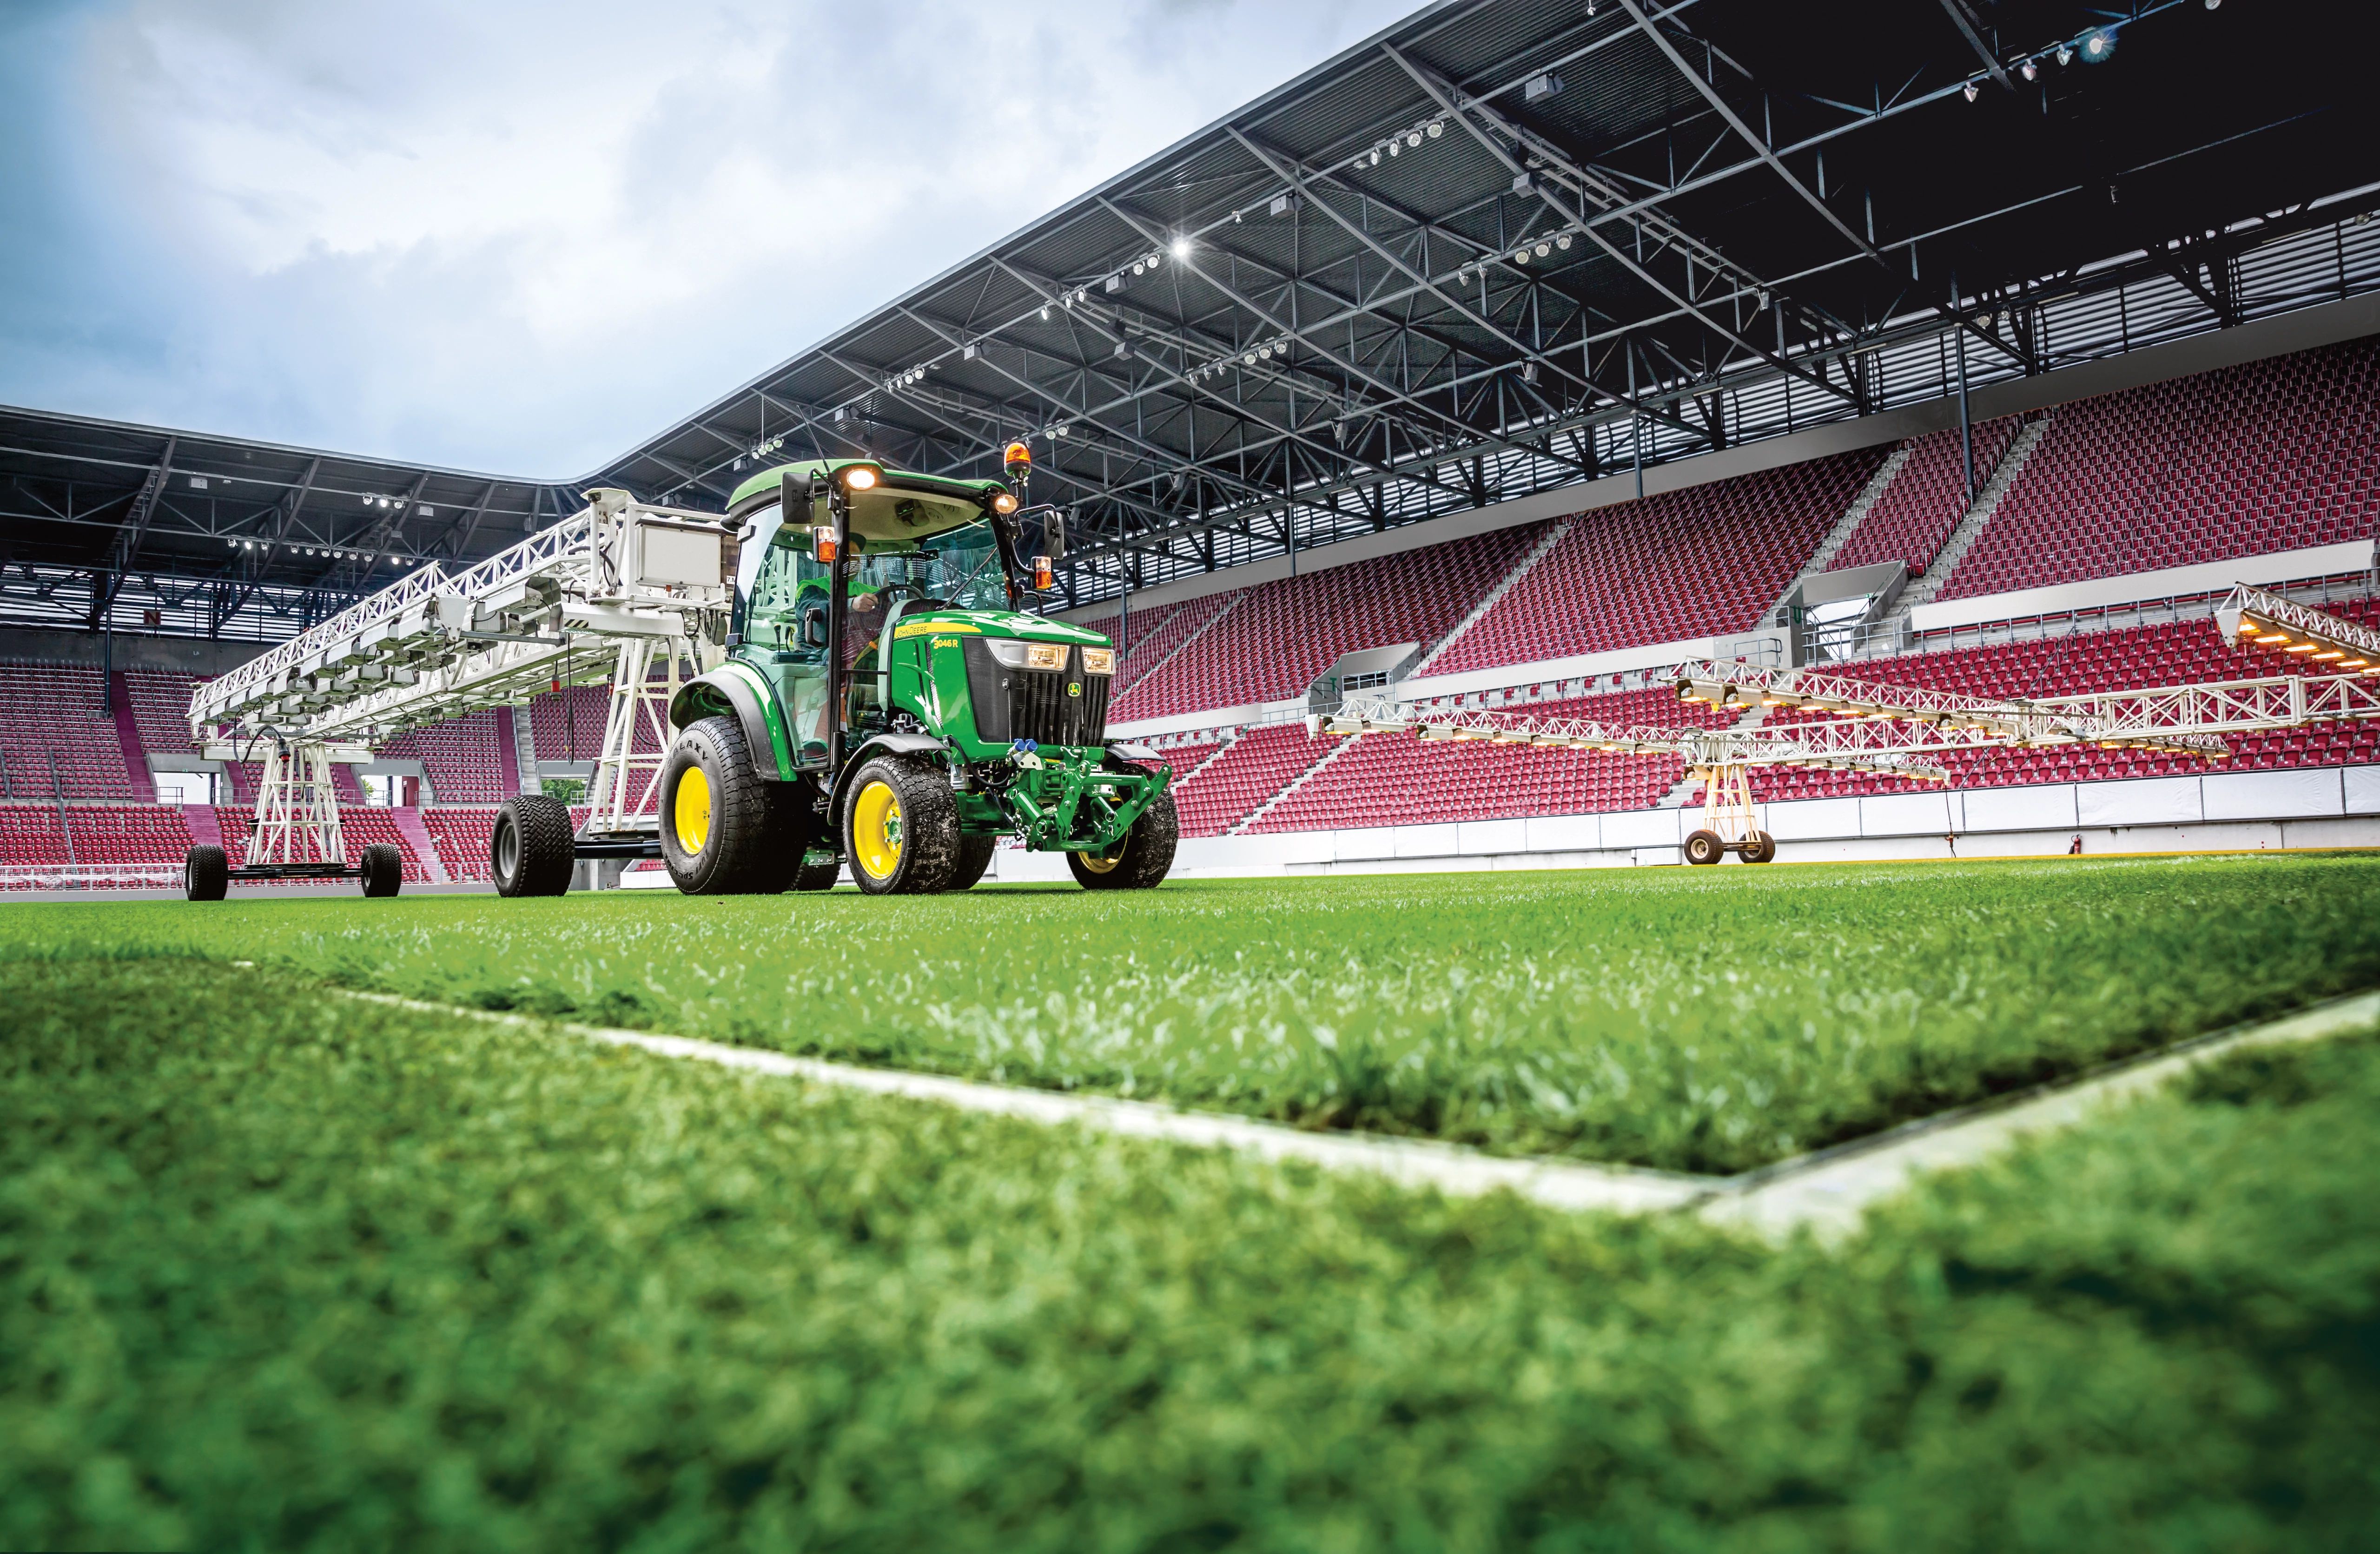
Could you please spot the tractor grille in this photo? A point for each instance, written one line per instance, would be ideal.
(1033, 703)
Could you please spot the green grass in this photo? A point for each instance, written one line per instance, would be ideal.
(1688, 1019)
(278, 1271)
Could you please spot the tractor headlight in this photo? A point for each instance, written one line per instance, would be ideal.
(1099, 661)
(1028, 655)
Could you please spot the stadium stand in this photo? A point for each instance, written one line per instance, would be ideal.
(1279, 637)
(1154, 637)
(463, 837)
(567, 726)
(1916, 512)
(1254, 768)
(1696, 563)
(2273, 455)
(1396, 779)
(52, 721)
(464, 758)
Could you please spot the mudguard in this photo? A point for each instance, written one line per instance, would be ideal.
(880, 745)
(735, 688)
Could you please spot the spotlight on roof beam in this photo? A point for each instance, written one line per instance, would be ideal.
(2028, 69)
(1541, 86)
(1970, 91)
(1182, 247)
(2065, 53)
(2096, 45)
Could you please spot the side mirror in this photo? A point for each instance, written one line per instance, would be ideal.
(1053, 536)
(793, 495)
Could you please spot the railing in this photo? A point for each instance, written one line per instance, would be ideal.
(87, 875)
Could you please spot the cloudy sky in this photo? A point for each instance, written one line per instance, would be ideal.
(517, 238)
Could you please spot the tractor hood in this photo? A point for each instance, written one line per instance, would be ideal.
(995, 623)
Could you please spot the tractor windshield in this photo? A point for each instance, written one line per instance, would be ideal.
(960, 570)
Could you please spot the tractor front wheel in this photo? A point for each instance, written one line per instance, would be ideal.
(1141, 860)
(725, 828)
(1704, 847)
(901, 829)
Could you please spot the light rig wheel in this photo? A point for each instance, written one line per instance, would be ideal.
(1704, 847)
(206, 873)
(530, 852)
(382, 869)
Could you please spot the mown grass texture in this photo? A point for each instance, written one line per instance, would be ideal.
(1693, 1020)
(287, 1272)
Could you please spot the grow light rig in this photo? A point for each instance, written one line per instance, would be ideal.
(631, 592)
(1891, 730)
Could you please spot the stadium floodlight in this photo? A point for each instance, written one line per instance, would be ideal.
(2029, 69)
(1181, 247)
(2097, 44)
(1970, 91)
(2065, 53)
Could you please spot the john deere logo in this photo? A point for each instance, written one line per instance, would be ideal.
(1074, 688)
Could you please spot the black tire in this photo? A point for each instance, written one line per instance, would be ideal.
(1704, 847)
(900, 829)
(975, 856)
(206, 873)
(381, 869)
(529, 852)
(734, 835)
(819, 872)
(1142, 860)
(1760, 847)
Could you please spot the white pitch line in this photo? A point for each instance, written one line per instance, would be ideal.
(1826, 1190)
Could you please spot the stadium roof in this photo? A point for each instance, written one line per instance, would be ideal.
(1498, 247)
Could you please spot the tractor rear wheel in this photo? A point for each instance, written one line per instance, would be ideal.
(901, 829)
(530, 852)
(382, 869)
(975, 856)
(1141, 860)
(206, 873)
(1704, 847)
(724, 830)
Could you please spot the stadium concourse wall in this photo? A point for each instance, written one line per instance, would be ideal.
(2241, 811)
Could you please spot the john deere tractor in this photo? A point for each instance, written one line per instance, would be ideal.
(887, 700)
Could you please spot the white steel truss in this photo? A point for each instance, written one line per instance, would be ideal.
(640, 703)
(296, 808)
(1889, 729)
(2251, 617)
(616, 589)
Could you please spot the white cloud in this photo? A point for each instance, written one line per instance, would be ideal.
(522, 237)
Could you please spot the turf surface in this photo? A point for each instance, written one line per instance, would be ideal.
(1698, 1020)
(283, 1271)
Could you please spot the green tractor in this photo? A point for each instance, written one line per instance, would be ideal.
(888, 702)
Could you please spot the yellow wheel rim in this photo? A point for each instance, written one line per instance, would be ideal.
(876, 829)
(1099, 865)
(691, 811)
